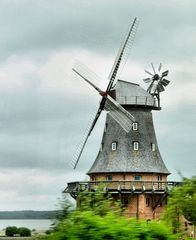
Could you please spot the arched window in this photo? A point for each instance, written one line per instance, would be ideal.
(135, 126)
(114, 146)
(136, 146)
(153, 147)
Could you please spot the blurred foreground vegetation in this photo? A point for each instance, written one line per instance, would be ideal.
(98, 217)
(181, 207)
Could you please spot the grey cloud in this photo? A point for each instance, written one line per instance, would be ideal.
(38, 132)
(39, 25)
(177, 141)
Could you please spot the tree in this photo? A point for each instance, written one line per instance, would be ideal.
(64, 207)
(11, 231)
(182, 202)
(99, 202)
(24, 232)
(97, 218)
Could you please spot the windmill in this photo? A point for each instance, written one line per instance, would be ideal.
(128, 164)
(116, 111)
(157, 82)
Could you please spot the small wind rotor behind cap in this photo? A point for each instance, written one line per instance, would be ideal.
(156, 79)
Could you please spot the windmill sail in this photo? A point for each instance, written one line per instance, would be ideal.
(85, 79)
(122, 54)
(109, 104)
(86, 73)
(116, 111)
(123, 117)
(165, 82)
(81, 145)
(149, 73)
(160, 66)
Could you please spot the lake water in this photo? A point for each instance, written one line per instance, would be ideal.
(37, 224)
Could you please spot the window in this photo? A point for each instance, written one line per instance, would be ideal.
(153, 147)
(108, 177)
(137, 178)
(114, 146)
(159, 177)
(135, 146)
(94, 178)
(125, 202)
(106, 126)
(147, 202)
(135, 126)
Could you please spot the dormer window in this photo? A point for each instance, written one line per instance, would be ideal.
(135, 126)
(114, 146)
(136, 146)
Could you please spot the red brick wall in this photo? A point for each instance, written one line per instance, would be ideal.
(137, 205)
(129, 176)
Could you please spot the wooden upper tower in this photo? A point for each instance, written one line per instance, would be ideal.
(136, 151)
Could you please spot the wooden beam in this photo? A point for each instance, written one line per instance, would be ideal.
(160, 201)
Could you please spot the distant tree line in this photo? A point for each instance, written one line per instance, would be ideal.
(27, 214)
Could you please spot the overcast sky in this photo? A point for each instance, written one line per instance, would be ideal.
(44, 109)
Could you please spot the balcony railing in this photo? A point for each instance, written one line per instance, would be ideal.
(122, 186)
(138, 100)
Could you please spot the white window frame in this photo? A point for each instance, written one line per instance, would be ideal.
(135, 126)
(135, 146)
(114, 146)
(153, 147)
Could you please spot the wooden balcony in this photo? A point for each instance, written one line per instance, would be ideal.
(138, 100)
(123, 187)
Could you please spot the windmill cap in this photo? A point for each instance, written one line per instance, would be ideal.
(127, 93)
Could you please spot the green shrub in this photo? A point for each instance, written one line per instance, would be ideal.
(99, 218)
(11, 231)
(24, 232)
(181, 202)
(87, 225)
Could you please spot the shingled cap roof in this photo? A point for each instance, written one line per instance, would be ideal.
(127, 93)
(124, 158)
